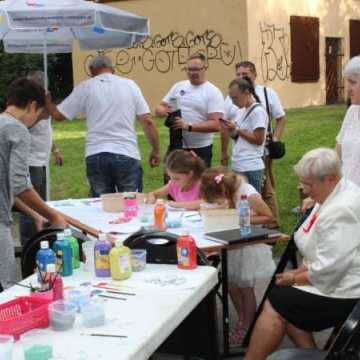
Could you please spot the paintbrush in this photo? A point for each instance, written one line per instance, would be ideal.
(106, 335)
(111, 297)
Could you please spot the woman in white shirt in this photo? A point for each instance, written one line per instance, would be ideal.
(248, 132)
(323, 290)
(348, 139)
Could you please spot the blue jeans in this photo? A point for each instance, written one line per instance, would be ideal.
(255, 178)
(109, 173)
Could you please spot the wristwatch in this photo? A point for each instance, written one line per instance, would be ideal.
(190, 127)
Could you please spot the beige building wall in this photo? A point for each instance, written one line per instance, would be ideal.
(217, 28)
(227, 31)
(269, 29)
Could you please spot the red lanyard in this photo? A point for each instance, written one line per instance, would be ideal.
(310, 224)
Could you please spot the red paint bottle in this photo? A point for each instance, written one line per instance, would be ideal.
(186, 252)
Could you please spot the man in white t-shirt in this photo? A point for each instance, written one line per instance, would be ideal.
(111, 105)
(41, 147)
(247, 68)
(201, 104)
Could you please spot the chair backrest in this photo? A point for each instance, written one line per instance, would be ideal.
(347, 341)
(160, 246)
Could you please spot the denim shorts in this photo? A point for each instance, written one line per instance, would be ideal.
(254, 178)
(109, 173)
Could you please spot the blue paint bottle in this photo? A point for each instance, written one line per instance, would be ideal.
(44, 257)
(63, 252)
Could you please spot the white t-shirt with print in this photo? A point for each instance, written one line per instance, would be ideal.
(41, 142)
(349, 139)
(111, 104)
(246, 156)
(196, 102)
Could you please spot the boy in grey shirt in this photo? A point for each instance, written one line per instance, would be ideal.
(25, 106)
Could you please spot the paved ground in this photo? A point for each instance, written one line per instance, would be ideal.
(320, 337)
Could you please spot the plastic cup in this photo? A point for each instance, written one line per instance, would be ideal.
(138, 259)
(37, 345)
(146, 214)
(93, 313)
(174, 219)
(62, 315)
(6, 347)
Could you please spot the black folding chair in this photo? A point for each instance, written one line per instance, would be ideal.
(345, 345)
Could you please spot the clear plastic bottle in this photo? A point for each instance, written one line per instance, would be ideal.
(244, 216)
(74, 247)
(120, 261)
(159, 214)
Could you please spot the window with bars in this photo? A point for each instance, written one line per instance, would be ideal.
(305, 50)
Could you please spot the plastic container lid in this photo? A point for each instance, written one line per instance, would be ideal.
(44, 244)
(119, 242)
(160, 201)
(51, 268)
(67, 232)
(102, 236)
(60, 236)
(243, 197)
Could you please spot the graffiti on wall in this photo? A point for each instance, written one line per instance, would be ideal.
(275, 62)
(165, 53)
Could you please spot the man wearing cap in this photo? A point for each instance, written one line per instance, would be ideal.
(111, 104)
(271, 102)
(201, 104)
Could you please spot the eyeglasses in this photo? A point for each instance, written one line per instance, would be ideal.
(194, 69)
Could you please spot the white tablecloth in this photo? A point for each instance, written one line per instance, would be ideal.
(165, 295)
(89, 212)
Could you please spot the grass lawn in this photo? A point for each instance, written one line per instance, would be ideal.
(306, 129)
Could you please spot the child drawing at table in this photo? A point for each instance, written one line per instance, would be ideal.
(184, 169)
(222, 188)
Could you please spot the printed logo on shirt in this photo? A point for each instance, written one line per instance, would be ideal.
(182, 92)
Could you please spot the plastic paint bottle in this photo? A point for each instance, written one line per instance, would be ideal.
(63, 252)
(101, 255)
(56, 282)
(159, 215)
(44, 257)
(186, 252)
(120, 261)
(74, 247)
(130, 206)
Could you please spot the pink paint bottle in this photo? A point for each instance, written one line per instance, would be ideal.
(130, 206)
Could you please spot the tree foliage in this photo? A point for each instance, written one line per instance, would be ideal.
(16, 65)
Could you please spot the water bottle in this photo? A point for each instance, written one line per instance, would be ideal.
(244, 216)
(102, 256)
(44, 257)
(63, 254)
(74, 247)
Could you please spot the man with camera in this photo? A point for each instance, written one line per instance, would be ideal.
(193, 108)
(271, 102)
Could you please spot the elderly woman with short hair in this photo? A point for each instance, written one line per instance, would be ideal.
(348, 139)
(323, 290)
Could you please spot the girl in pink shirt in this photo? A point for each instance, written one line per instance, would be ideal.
(184, 169)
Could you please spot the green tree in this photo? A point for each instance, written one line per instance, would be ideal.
(16, 65)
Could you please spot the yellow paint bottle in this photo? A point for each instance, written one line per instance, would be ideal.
(120, 261)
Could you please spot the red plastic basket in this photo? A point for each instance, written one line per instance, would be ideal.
(23, 314)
